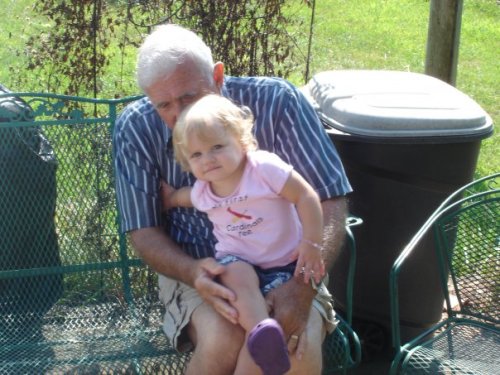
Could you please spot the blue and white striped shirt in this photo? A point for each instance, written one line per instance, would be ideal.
(285, 124)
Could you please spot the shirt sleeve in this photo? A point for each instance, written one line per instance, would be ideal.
(136, 173)
(271, 169)
(301, 140)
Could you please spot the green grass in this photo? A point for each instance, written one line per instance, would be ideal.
(348, 34)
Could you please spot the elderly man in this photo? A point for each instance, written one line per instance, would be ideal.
(175, 68)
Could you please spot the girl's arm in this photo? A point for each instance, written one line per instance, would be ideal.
(171, 197)
(299, 192)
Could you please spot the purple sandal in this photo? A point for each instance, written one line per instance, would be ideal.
(267, 346)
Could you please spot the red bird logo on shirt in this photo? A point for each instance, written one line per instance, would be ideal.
(238, 216)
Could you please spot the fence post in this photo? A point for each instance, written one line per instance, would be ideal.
(443, 39)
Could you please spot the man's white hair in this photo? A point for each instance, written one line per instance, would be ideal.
(167, 47)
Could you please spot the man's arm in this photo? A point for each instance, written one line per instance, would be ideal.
(163, 254)
(334, 215)
(166, 258)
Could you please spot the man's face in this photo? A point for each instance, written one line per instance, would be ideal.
(183, 87)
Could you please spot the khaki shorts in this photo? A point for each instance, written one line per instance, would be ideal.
(181, 300)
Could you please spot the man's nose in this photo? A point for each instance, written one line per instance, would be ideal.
(175, 112)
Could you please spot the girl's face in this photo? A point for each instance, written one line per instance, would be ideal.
(218, 159)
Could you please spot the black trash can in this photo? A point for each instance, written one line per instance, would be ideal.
(407, 141)
(28, 236)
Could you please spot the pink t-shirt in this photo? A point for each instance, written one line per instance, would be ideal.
(254, 222)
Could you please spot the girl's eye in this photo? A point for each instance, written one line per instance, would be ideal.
(217, 147)
(195, 155)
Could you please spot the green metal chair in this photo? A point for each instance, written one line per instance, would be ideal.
(466, 232)
(74, 297)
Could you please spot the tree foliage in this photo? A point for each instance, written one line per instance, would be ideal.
(250, 36)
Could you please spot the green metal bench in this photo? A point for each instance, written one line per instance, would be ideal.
(466, 232)
(74, 298)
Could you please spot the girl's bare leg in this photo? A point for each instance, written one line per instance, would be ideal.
(265, 345)
(251, 306)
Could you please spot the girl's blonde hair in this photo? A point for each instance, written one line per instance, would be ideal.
(207, 117)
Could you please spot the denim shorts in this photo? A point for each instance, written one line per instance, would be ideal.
(269, 278)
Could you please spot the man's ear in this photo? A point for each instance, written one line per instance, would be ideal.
(219, 75)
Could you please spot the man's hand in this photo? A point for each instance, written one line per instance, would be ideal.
(212, 292)
(290, 305)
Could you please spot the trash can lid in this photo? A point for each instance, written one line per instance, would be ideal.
(395, 105)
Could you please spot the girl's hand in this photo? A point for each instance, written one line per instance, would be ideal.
(166, 193)
(310, 262)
